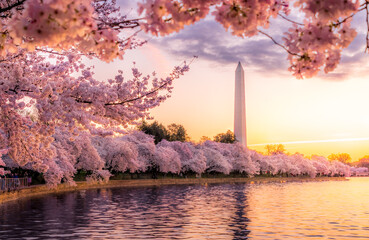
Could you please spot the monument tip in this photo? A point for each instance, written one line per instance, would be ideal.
(239, 66)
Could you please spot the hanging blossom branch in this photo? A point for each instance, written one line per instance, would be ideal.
(336, 24)
(164, 85)
(279, 44)
(286, 18)
(11, 6)
(367, 24)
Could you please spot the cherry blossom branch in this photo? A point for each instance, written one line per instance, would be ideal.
(347, 18)
(49, 51)
(25, 148)
(277, 43)
(367, 24)
(168, 81)
(12, 57)
(131, 23)
(10, 7)
(285, 18)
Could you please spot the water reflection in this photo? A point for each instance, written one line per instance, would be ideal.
(317, 210)
(240, 220)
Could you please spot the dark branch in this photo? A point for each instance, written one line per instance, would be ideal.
(367, 24)
(277, 43)
(285, 18)
(128, 100)
(10, 7)
(131, 23)
(139, 97)
(347, 18)
(10, 58)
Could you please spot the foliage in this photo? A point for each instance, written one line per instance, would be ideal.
(155, 129)
(273, 149)
(363, 162)
(204, 139)
(227, 137)
(342, 157)
(177, 133)
(174, 132)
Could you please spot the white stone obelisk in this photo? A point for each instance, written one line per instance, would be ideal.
(239, 107)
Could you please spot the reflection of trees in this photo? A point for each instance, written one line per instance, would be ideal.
(240, 220)
(149, 212)
(165, 212)
(47, 216)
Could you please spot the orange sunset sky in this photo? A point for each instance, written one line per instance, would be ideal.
(323, 115)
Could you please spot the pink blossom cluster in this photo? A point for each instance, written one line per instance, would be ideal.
(327, 10)
(242, 17)
(137, 153)
(90, 27)
(167, 16)
(319, 42)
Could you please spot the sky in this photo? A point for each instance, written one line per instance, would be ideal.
(322, 115)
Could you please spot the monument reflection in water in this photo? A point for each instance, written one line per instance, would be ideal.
(316, 210)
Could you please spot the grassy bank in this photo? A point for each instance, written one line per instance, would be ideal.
(43, 189)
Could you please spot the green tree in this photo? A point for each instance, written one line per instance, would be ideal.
(177, 133)
(155, 129)
(227, 137)
(174, 132)
(204, 139)
(274, 149)
(342, 157)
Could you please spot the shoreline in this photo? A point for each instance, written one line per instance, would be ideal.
(38, 190)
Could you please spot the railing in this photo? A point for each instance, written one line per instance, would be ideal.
(11, 184)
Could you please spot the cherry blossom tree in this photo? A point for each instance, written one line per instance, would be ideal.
(321, 165)
(182, 149)
(197, 163)
(44, 84)
(119, 155)
(167, 160)
(306, 166)
(145, 146)
(357, 171)
(242, 160)
(339, 168)
(216, 158)
(70, 154)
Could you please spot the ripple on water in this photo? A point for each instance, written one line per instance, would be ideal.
(316, 210)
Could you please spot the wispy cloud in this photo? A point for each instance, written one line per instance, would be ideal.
(209, 40)
(313, 141)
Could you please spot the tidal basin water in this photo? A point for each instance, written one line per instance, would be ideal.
(312, 210)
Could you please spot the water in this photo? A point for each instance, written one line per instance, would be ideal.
(313, 210)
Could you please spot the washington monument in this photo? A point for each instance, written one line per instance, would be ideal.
(239, 107)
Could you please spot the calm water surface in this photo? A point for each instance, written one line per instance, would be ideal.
(315, 210)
